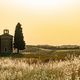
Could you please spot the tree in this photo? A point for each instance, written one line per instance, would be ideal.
(19, 42)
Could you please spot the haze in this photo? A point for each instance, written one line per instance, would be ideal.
(53, 22)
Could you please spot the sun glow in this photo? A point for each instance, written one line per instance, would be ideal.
(39, 3)
(44, 21)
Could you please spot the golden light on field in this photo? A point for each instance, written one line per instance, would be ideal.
(52, 22)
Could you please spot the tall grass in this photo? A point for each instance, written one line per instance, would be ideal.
(33, 69)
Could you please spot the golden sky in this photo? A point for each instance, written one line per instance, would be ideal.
(54, 22)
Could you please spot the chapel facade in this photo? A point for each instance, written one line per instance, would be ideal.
(6, 42)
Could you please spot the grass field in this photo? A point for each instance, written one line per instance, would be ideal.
(46, 55)
(41, 64)
(27, 69)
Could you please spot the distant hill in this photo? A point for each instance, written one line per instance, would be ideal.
(58, 47)
(34, 48)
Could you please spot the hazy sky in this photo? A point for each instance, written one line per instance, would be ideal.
(54, 22)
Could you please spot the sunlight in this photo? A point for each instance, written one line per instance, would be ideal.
(39, 3)
(45, 3)
(43, 17)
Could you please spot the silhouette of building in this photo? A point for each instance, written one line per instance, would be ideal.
(6, 42)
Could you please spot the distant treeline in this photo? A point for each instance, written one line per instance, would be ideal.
(48, 48)
(63, 47)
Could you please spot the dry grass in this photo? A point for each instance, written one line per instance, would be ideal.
(33, 69)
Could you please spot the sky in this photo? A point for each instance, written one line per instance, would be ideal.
(46, 22)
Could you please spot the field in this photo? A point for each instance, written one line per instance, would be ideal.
(41, 64)
(26, 69)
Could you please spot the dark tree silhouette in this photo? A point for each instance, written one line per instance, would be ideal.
(19, 42)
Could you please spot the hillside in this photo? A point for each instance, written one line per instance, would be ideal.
(46, 52)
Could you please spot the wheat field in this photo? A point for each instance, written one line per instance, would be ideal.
(27, 69)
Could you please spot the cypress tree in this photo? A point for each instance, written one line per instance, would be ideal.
(19, 42)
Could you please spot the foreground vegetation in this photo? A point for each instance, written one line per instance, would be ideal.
(41, 64)
(27, 69)
(46, 55)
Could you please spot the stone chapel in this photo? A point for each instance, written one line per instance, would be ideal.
(6, 42)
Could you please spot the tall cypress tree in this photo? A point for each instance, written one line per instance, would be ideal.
(19, 42)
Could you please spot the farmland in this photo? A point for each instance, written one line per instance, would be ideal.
(41, 64)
